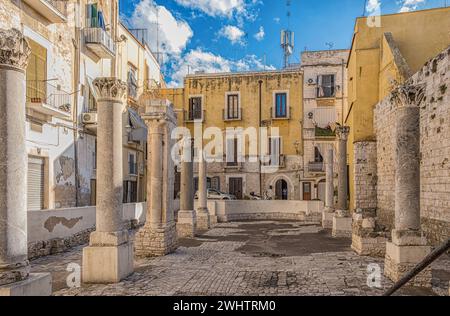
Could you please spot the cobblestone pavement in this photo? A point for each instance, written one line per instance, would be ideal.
(248, 258)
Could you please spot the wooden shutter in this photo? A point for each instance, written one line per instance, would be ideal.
(36, 72)
(35, 187)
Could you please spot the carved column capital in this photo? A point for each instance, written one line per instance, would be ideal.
(342, 132)
(14, 48)
(110, 88)
(408, 94)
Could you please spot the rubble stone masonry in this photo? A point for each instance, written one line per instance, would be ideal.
(435, 152)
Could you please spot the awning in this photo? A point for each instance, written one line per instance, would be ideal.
(139, 129)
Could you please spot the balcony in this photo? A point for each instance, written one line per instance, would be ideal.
(317, 167)
(47, 99)
(230, 117)
(281, 116)
(54, 11)
(196, 116)
(99, 42)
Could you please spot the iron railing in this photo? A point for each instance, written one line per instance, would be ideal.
(316, 167)
(280, 115)
(97, 35)
(234, 115)
(39, 91)
(58, 5)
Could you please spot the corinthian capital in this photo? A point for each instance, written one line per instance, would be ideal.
(110, 88)
(408, 94)
(14, 48)
(342, 132)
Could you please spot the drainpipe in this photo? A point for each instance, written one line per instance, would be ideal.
(260, 126)
(76, 85)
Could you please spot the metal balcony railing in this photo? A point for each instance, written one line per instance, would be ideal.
(58, 5)
(281, 115)
(235, 115)
(97, 35)
(316, 167)
(39, 91)
(194, 116)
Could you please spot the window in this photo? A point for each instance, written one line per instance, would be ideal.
(275, 150)
(92, 103)
(132, 82)
(195, 109)
(215, 183)
(232, 152)
(132, 165)
(94, 16)
(129, 192)
(233, 107)
(326, 86)
(281, 110)
(317, 155)
(37, 73)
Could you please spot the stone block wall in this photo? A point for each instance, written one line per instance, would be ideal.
(435, 151)
(365, 175)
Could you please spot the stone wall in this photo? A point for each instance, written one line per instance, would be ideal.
(308, 211)
(435, 151)
(55, 231)
(365, 175)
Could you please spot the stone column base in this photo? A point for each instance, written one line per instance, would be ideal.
(369, 246)
(156, 241)
(213, 220)
(327, 218)
(342, 225)
(203, 220)
(186, 224)
(108, 259)
(403, 254)
(37, 284)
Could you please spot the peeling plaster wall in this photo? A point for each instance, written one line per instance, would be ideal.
(435, 152)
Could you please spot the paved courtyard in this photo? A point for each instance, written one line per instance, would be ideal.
(247, 258)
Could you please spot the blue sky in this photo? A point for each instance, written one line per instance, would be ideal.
(233, 35)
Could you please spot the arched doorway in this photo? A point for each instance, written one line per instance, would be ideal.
(281, 190)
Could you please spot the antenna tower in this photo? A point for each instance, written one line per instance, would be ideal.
(287, 38)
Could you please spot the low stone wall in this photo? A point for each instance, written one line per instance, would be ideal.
(308, 211)
(55, 231)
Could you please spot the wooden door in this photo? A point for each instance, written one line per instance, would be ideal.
(235, 187)
(307, 191)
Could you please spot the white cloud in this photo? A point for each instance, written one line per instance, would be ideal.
(261, 34)
(215, 7)
(174, 34)
(411, 5)
(233, 33)
(373, 7)
(199, 60)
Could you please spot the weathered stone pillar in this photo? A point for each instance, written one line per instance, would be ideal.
(159, 235)
(187, 219)
(203, 221)
(368, 238)
(328, 212)
(342, 221)
(109, 257)
(15, 279)
(408, 246)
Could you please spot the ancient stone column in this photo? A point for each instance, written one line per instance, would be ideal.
(203, 221)
(158, 237)
(109, 257)
(187, 219)
(328, 212)
(342, 221)
(14, 266)
(408, 246)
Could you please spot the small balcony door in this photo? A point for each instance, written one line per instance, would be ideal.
(307, 191)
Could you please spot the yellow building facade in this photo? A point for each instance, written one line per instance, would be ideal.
(380, 57)
(271, 99)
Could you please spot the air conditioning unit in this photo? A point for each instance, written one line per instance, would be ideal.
(89, 118)
(311, 115)
(311, 81)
